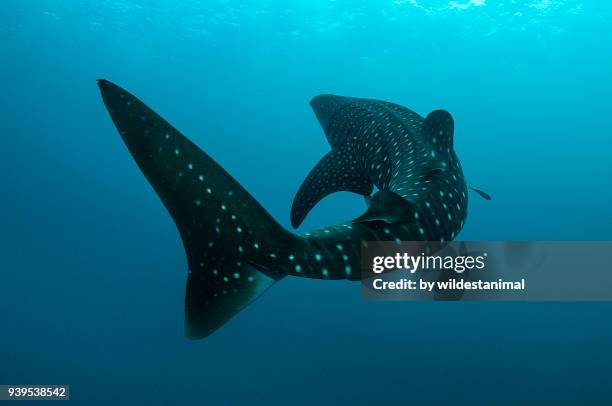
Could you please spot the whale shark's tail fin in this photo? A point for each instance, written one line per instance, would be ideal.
(226, 233)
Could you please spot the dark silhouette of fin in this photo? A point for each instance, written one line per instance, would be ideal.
(484, 195)
(224, 230)
(387, 206)
(336, 171)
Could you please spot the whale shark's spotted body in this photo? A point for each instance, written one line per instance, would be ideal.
(236, 250)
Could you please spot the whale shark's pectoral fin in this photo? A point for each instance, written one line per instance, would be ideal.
(388, 207)
(439, 127)
(336, 172)
(484, 195)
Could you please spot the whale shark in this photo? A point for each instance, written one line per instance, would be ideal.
(403, 164)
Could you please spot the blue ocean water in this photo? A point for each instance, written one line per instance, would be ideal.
(93, 270)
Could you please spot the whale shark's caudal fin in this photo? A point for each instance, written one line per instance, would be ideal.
(224, 229)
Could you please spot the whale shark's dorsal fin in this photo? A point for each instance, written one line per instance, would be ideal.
(439, 127)
(337, 171)
(387, 206)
